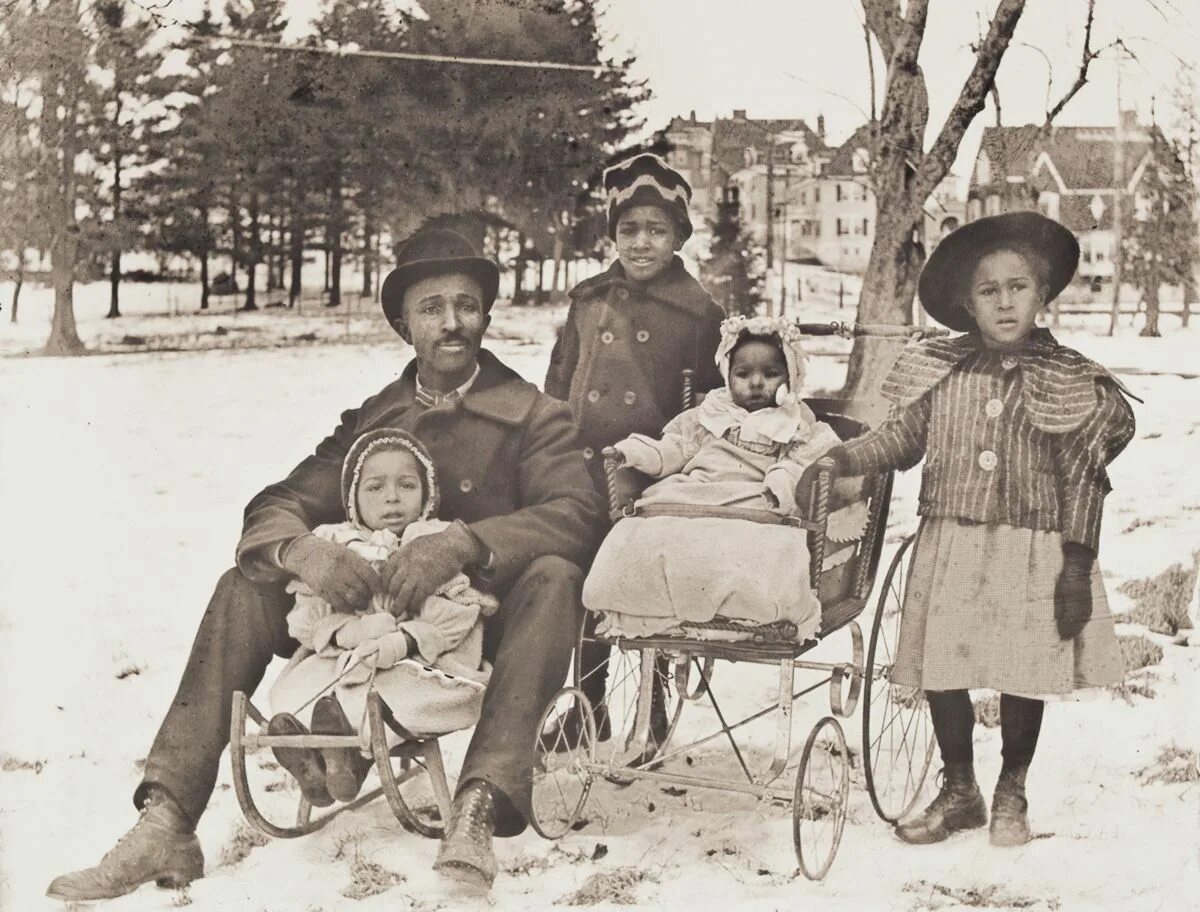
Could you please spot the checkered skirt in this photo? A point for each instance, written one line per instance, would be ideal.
(979, 613)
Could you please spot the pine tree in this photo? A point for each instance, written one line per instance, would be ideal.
(1159, 238)
(731, 273)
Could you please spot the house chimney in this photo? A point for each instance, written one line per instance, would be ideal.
(1129, 121)
(821, 127)
(693, 116)
(739, 113)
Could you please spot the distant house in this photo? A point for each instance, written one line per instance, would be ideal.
(1067, 173)
(713, 155)
(831, 214)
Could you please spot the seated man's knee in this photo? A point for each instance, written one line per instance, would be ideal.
(551, 570)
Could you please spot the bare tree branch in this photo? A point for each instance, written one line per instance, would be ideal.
(908, 36)
(1085, 63)
(971, 97)
(996, 105)
(870, 67)
(883, 18)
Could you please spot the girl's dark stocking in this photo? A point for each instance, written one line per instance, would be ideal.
(953, 723)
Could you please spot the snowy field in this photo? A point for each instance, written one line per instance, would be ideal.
(124, 477)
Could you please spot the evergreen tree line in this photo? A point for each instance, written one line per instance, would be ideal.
(243, 159)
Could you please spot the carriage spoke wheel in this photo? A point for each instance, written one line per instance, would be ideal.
(618, 743)
(822, 795)
(897, 729)
(565, 747)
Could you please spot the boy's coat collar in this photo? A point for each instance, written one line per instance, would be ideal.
(674, 286)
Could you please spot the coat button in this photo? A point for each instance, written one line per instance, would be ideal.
(1008, 363)
(643, 335)
(988, 460)
(622, 294)
(588, 453)
(593, 396)
(465, 486)
(630, 397)
(993, 408)
(606, 337)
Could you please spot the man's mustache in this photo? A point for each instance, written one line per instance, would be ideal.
(454, 337)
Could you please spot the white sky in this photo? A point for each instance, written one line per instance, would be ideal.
(798, 58)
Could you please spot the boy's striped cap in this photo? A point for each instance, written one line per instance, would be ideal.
(647, 180)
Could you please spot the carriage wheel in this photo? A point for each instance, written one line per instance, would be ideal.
(897, 729)
(416, 812)
(616, 716)
(564, 748)
(822, 795)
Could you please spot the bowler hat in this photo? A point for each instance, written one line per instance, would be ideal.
(944, 280)
(434, 252)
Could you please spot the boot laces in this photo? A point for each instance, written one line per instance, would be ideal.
(475, 815)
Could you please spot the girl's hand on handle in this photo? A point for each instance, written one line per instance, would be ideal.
(807, 485)
(1073, 591)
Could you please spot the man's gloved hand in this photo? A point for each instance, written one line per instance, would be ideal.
(367, 627)
(414, 572)
(808, 479)
(333, 572)
(1073, 591)
(385, 651)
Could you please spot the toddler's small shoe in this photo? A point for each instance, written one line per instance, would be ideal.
(304, 763)
(345, 768)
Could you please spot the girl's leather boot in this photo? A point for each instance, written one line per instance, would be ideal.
(1010, 820)
(958, 806)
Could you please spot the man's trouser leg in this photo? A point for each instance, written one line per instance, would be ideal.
(244, 626)
(537, 624)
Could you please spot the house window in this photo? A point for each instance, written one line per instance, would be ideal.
(974, 209)
(865, 227)
(983, 169)
(862, 192)
(816, 194)
(838, 192)
(1048, 204)
(993, 204)
(841, 228)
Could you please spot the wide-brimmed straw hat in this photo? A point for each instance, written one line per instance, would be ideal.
(944, 280)
(434, 252)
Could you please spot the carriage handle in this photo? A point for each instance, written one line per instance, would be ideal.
(881, 330)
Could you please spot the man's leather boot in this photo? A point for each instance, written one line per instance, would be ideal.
(162, 847)
(1010, 821)
(958, 806)
(466, 852)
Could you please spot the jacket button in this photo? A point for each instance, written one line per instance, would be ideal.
(465, 486)
(622, 294)
(606, 337)
(1008, 363)
(593, 396)
(588, 453)
(630, 397)
(643, 335)
(993, 408)
(988, 460)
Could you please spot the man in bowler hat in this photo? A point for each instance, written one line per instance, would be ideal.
(526, 518)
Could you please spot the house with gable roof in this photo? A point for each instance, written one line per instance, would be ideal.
(1067, 173)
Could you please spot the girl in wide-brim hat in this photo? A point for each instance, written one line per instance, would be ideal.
(1016, 432)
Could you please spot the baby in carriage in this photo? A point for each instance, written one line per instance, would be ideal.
(744, 447)
(429, 668)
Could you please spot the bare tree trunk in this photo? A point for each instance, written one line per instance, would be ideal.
(335, 240)
(64, 246)
(16, 298)
(1189, 295)
(204, 290)
(1151, 327)
(114, 269)
(255, 250)
(368, 285)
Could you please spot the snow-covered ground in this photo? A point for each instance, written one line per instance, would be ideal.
(123, 479)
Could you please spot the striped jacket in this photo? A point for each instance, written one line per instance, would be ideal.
(1020, 438)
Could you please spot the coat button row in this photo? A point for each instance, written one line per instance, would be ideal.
(988, 460)
(465, 485)
(993, 408)
(630, 398)
(606, 337)
(622, 293)
(1008, 363)
(588, 452)
(593, 396)
(643, 335)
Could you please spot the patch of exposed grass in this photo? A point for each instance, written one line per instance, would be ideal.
(1161, 602)
(987, 896)
(245, 840)
(1138, 652)
(1173, 764)
(616, 887)
(987, 710)
(11, 764)
(1132, 687)
(181, 898)
(368, 878)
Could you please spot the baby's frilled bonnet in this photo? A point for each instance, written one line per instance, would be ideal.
(387, 439)
(718, 412)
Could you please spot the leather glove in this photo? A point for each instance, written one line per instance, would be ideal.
(808, 479)
(1073, 590)
(385, 651)
(333, 572)
(367, 627)
(415, 572)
